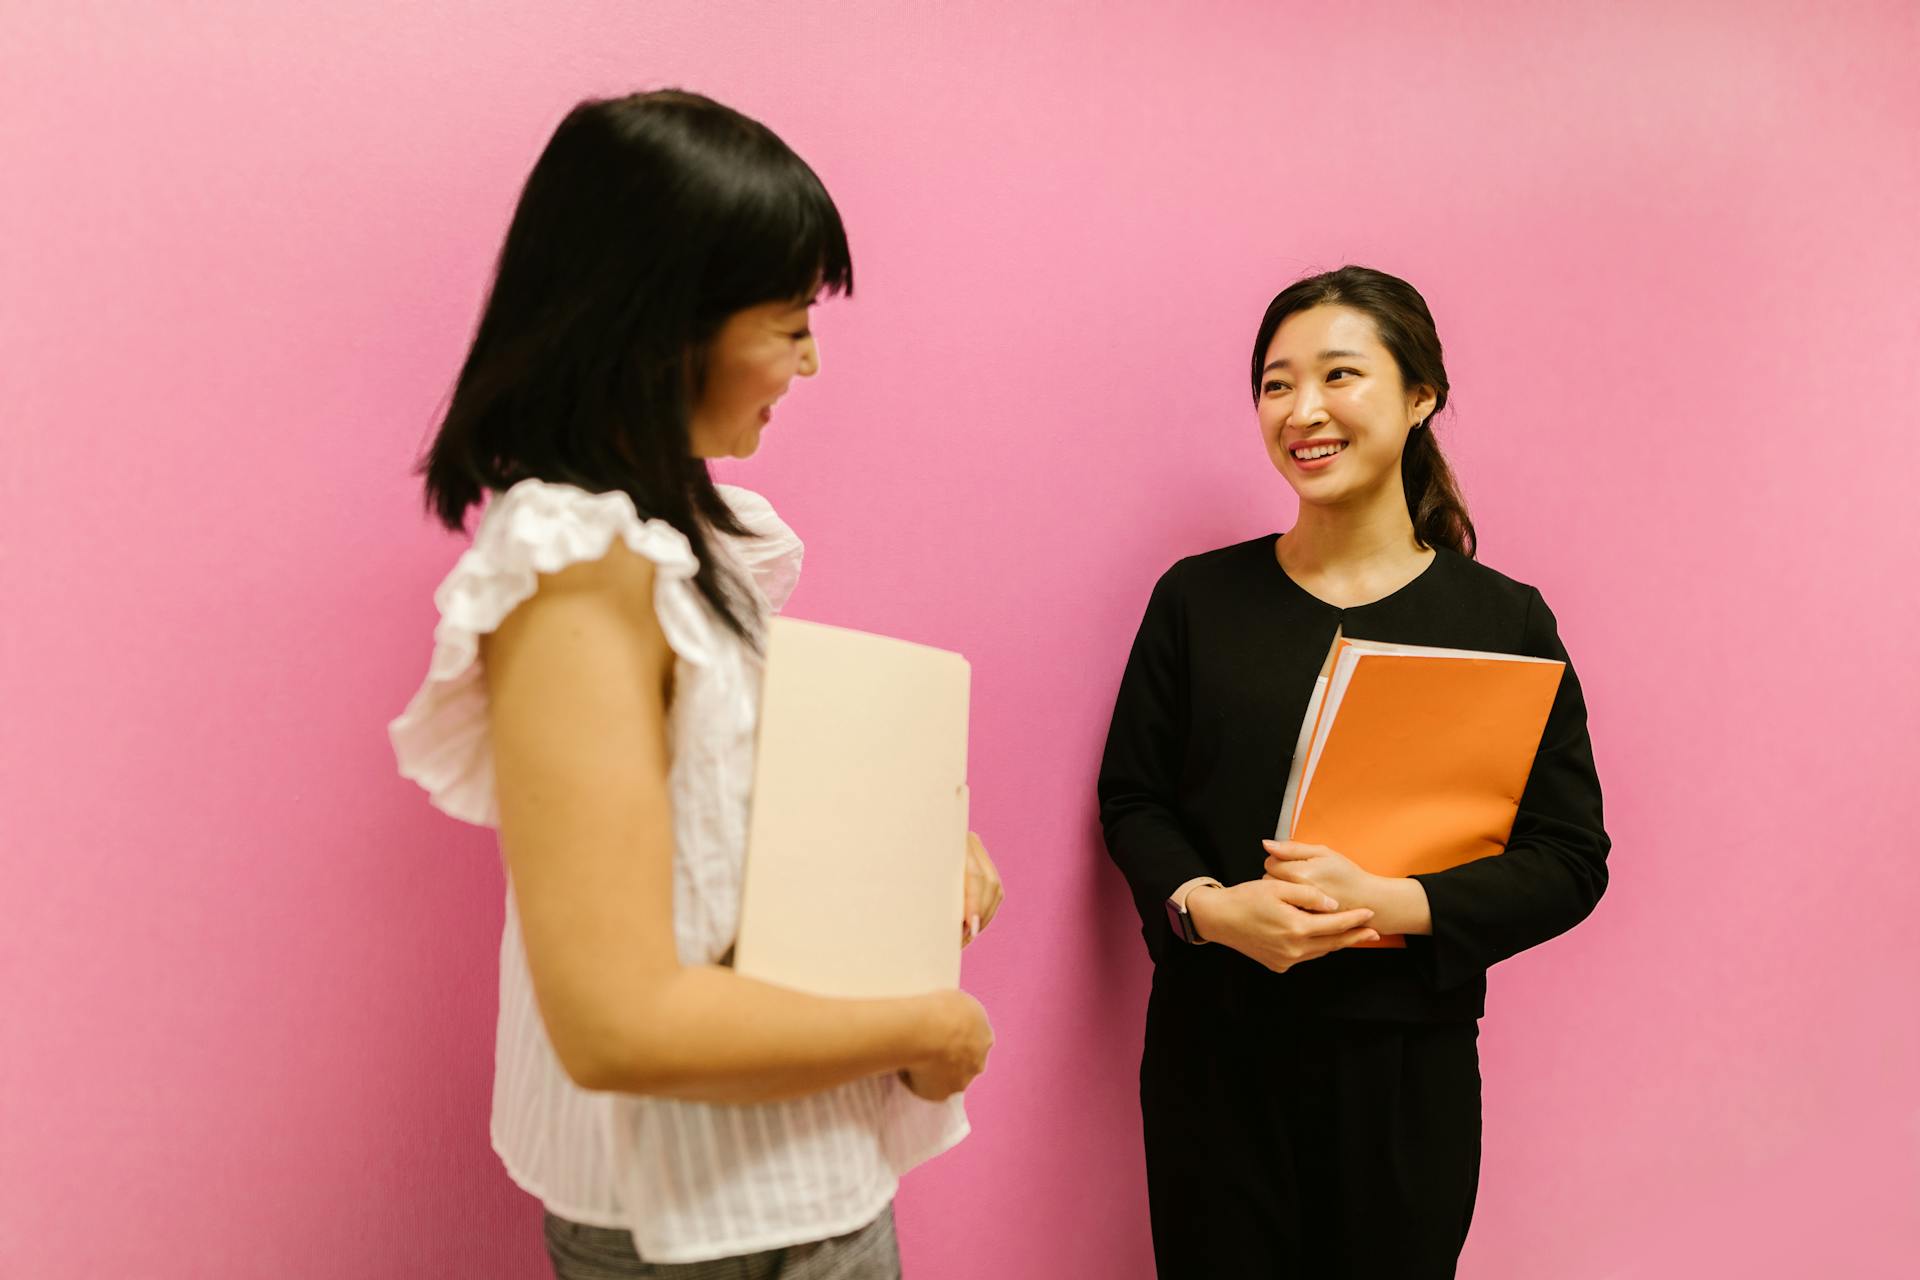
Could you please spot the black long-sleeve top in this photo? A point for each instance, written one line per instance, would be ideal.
(1202, 738)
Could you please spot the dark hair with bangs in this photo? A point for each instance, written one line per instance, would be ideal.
(646, 222)
(1405, 325)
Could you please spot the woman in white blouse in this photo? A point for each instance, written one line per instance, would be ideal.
(592, 694)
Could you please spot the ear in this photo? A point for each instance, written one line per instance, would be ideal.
(1420, 404)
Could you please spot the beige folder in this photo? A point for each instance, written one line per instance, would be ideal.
(856, 847)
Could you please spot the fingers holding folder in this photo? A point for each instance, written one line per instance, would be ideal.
(984, 891)
(1318, 867)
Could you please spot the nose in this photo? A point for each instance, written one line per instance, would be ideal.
(1307, 410)
(809, 357)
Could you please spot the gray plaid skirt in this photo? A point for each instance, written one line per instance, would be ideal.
(601, 1253)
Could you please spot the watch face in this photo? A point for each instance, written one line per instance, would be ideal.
(1178, 921)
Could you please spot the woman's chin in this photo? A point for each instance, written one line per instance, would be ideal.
(1313, 493)
(1293, 479)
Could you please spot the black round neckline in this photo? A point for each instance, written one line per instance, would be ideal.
(1273, 558)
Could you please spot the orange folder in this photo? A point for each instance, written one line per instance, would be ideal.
(1413, 759)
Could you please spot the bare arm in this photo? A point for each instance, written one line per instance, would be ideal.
(1400, 906)
(578, 679)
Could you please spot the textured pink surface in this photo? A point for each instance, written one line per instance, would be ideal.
(248, 973)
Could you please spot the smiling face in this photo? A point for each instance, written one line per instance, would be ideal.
(750, 364)
(1333, 410)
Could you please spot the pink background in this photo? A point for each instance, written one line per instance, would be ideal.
(248, 973)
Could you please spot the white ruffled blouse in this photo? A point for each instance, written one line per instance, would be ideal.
(691, 1181)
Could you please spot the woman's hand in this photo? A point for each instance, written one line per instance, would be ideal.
(1399, 903)
(1318, 867)
(1276, 922)
(984, 891)
(962, 1040)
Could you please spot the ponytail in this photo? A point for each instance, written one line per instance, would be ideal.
(1439, 513)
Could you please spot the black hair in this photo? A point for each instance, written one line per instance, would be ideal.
(645, 223)
(1406, 329)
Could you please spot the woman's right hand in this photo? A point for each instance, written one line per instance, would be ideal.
(1276, 922)
(961, 1040)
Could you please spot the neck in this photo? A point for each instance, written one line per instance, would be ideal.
(1370, 532)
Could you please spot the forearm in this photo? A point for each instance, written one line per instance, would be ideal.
(1399, 906)
(1495, 908)
(707, 1034)
(1214, 916)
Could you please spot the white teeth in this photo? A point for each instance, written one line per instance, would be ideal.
(1318, 451)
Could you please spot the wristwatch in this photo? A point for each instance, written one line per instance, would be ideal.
(1177, 916)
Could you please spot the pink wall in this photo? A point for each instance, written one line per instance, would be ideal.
(248, 973)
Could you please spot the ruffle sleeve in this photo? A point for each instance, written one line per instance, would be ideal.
(441, 740)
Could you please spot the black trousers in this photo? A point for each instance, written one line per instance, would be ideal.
(1314, 1148)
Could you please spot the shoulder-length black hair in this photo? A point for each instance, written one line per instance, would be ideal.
(1406, 329)
(646, 222)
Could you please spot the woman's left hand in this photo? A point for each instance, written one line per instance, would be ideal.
(984, 891)
(1319, 867)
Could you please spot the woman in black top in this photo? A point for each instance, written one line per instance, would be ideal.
(1311, 1110)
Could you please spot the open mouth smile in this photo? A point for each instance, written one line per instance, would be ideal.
(1313, 455)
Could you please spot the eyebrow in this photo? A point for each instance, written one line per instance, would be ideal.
(1271, 365)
